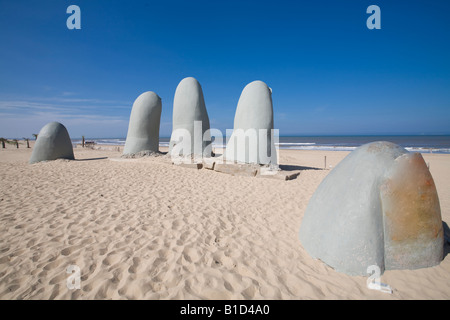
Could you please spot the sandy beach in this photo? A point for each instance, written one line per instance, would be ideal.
(146, 229)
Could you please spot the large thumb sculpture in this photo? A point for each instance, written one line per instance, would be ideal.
(379, 206)
(143, 128)
(53, 142)
(252, 140)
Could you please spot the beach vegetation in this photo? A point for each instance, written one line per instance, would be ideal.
(27, 141)
(3, 141)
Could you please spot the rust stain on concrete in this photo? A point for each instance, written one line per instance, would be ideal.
(410, 202)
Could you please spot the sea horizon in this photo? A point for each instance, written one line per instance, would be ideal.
(413, 143)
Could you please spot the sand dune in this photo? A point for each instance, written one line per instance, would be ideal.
(146, 229)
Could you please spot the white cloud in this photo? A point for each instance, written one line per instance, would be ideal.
(89, 117)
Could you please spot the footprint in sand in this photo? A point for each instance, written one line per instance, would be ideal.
(176, 225)
(67, 251)
(76, 294)
(55, 292)
(19, 252)
(11, 288)
(134, 267)
(52, 265)
(4, 250)
(87, 287)
(191, 255)
(59, 278)
(92, 269)
(5, 259)
(220, 259)
(117, 276)
(118, 229)
(111, 259)
(250, 292)
(184, 237)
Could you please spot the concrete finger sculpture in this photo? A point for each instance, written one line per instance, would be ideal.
(252, 140)
(379, 206)
(191, 130)
(53, 142)
(143, 128)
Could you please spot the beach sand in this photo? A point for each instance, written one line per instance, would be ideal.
(147, 229)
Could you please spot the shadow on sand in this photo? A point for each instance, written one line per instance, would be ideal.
(446, 239)
(289, 167)
(91, 159)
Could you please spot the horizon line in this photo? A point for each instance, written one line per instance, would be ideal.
(322, 135)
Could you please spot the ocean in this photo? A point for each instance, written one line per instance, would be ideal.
(418, 143)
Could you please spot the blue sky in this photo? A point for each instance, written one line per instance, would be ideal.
(329, 73)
